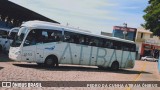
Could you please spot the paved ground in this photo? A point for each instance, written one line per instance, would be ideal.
(21, 71)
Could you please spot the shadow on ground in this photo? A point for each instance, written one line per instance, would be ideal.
(79, 68)
(1, 68)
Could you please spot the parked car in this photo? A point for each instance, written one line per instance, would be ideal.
(149, 58)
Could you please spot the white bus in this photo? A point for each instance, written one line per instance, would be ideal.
(6, 38)
(52, 44)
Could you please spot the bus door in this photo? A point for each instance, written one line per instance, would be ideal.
(28, 51)
(29, 47)
(39, 52)
(41, 39)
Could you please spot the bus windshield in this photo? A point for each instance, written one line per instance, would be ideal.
(19, 37)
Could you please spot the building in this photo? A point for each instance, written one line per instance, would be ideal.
(106, 34)
(147, 44)
(124, 32)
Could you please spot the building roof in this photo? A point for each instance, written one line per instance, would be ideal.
(143, 30)
(14, 11)
(106, 33)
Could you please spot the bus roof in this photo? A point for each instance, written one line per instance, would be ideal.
(49, 25)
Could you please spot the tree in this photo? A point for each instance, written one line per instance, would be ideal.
(152, 17)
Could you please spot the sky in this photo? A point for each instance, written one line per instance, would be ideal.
(92, 15)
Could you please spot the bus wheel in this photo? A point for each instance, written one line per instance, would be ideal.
(115, 66)
(51, 61)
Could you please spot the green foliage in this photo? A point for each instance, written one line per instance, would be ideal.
(152, 17)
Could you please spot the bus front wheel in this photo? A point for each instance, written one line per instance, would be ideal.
(115, 65)
(51, 61)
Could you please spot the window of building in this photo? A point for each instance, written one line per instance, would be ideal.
(141, 35)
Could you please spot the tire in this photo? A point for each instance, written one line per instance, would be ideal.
(51, 61)
(115, 66)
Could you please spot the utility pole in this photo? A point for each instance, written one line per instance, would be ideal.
(125, 31)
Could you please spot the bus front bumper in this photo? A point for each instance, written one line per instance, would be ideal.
(15, 54)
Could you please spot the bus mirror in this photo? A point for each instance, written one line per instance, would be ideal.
(20, 31)
(27, 43)
(9, 34)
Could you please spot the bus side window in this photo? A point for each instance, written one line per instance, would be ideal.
(81, 40)
(53, 36)
(125, 46)
(119, 45)
(71, 37)
(100, 42)
(111, 45)
(44, 36)
(132, 47)
(31, 39)
(84, 39)
(66, 36)
(93, 41)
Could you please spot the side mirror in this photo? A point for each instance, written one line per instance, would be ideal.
(26, 43)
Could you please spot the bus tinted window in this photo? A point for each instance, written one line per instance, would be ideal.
(71, 37)
(82, 39)
(94, 41)
(42, 36)
(129, 47)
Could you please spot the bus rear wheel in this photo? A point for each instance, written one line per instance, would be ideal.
(115, 66)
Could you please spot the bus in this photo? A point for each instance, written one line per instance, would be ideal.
(52, 44)
(6, 38)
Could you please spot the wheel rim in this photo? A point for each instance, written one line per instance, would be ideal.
(49, 62)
